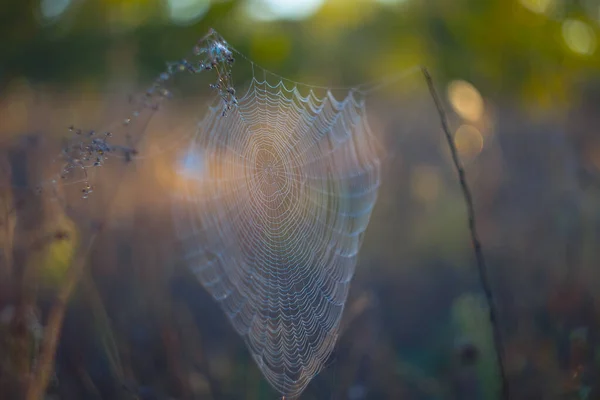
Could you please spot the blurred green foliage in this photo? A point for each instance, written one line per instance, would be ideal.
(54, 259)
(471, 319)
(544, 51)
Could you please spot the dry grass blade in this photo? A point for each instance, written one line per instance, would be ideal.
(42, 372)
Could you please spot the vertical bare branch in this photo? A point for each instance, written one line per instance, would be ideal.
(480, 260)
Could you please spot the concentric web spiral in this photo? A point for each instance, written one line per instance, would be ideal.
(272, 220)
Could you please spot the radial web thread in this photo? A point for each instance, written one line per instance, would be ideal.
(273, 217)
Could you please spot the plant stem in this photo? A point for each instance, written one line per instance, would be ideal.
(480, 260)
(41, 375)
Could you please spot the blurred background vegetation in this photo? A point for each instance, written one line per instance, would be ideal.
(521, 79)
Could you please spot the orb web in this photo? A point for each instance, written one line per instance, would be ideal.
(277, 200)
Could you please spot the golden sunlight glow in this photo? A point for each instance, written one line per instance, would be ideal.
(579, 36)
(468, 141)
(465, 100)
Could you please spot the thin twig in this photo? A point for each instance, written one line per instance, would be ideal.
(481, 266)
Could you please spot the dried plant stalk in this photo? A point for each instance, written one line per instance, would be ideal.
(479, 258)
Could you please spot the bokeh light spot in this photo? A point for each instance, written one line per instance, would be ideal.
(269, 10)
(538, 6)
(391, 2)
(185, 12)
(191, 165)
(466, 100)
(52, 9)
(579, 36)
(468, 141)
(425, 183)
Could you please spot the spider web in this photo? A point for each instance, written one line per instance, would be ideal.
(279, 191)
(278, 196)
